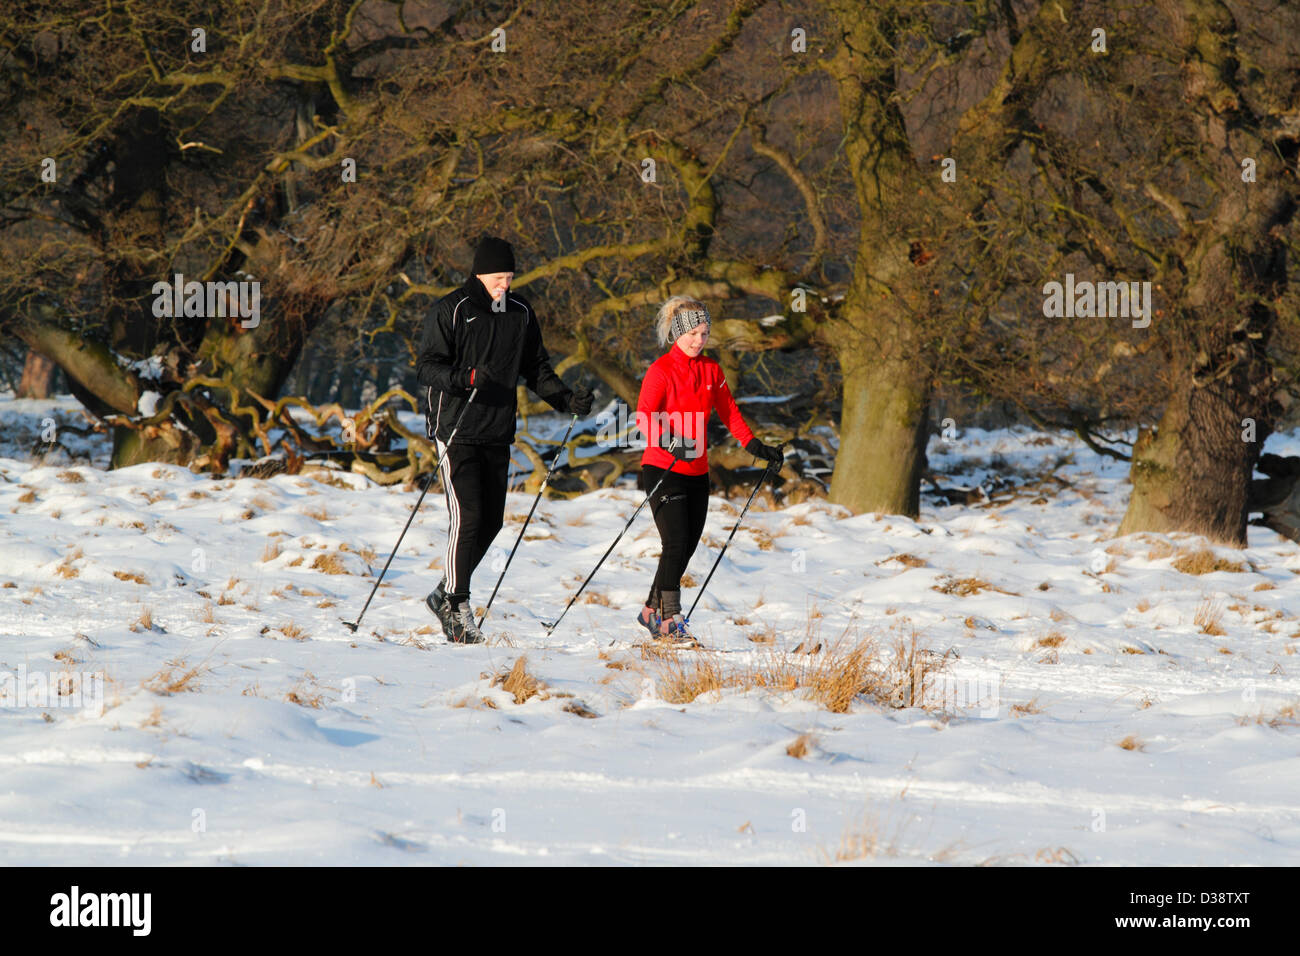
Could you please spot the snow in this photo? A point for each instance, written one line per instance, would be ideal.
(148, 369)
(148, 404)
(1048, 671)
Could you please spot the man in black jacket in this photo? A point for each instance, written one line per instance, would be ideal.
(480, 340)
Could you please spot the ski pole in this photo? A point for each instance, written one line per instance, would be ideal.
(554, 461)
(554, 624)
(353, 625)
(735, 527)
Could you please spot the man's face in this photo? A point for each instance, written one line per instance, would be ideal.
(693, 342)
(496, 283)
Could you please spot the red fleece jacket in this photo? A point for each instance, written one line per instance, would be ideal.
(677, 395)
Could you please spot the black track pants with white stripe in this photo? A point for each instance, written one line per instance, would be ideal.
(474, 479)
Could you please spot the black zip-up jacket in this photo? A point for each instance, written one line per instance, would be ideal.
(462, 332)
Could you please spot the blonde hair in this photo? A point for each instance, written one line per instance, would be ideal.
(675, 304)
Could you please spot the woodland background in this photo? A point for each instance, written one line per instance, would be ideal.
(783, 161)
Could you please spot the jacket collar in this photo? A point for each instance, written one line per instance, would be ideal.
(478, 293)
(680, 357)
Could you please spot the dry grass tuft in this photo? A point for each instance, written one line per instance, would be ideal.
(596, 597)
(519, 683)
(306, 692)
(1205, 561)
(71, 477)
(329, 564)
(1287, 715)
(962, 587)
(476, 703)
(325, 478)
(1209, 614)
(130, 576)
(1265, 586)
(834, 678)
(767, 636)
(906, 560)
(1026, 709)
(681, 683)
(316, 511)
(580, 709)
(271, 551)
(166, 681)
(293, 632)
(65, 569)
(860, 841)
(27, 497)
(1054, 639)
(145, 621)
(1161, 550)
(1131, 743)
(800, 746)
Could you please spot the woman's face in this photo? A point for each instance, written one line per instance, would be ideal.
(693, 342)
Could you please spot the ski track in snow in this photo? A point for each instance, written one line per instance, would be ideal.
(389, 747)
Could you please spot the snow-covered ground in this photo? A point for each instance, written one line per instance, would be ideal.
(1086, 711)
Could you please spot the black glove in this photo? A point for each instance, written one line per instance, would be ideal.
(684, 450)
(468, 378)
(580, 399)
(774, 455)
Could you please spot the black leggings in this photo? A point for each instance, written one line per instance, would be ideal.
(680, 506)
(474, 478)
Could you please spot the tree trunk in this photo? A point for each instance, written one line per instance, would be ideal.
(1193, 474)
(878, 339)
(38, 376)
(164, 444)
(883, 433)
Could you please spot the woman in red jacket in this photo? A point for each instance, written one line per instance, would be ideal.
(678, 393)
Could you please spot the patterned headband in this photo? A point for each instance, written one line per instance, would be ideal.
(685, 320)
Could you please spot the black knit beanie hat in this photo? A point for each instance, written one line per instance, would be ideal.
(493, 255)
